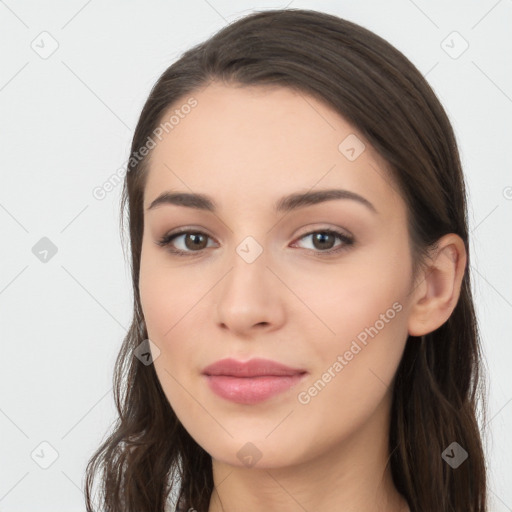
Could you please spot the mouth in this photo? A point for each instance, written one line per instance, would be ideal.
(252, 381)
(252, 368)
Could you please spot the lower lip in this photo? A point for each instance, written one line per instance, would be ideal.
(251, 390)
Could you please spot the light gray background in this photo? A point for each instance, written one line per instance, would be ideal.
(66, 125)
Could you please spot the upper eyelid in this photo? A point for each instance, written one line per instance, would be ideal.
(204, 231)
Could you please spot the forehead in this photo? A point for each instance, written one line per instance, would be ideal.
(238, 142)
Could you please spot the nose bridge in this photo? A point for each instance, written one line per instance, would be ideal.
(248, 265)
(250, 250)
(246, 297)
(250, 239)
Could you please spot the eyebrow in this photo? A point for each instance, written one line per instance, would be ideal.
(285, 204)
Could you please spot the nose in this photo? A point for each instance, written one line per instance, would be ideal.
(250, 298)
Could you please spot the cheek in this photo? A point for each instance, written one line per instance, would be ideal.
(167, 293)
(354, 368)
(168, 308)
(173, 300)
(366, 289)
(363, 309)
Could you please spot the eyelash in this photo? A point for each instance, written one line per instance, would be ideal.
(348, 241)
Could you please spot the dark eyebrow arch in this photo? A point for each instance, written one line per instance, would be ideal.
(285, 204)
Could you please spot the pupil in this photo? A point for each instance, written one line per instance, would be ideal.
(196, 238)
(321, 237)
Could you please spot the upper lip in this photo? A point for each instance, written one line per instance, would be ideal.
(252, 368)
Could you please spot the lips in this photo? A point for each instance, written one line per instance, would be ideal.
(251, 381)
(251, 368)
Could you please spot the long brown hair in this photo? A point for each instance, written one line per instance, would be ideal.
(149, 455)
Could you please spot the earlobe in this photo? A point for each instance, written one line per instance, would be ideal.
(438, 293)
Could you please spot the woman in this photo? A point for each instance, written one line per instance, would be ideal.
(304, 335)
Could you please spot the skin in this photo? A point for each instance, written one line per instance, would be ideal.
(246, 147)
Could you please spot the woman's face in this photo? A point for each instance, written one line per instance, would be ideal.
(256, 281)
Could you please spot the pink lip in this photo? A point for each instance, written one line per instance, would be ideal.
(252, 381)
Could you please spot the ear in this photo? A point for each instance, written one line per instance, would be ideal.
(437, 293)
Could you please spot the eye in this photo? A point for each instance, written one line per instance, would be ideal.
(196, 241)
(322, 241)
